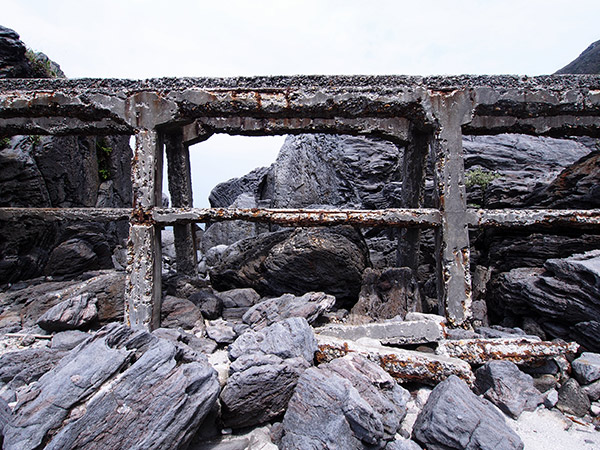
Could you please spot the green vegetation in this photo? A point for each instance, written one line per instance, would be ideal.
(41, 65)
(34, 139)
(480, 177)
(103, 152)
(4, 142)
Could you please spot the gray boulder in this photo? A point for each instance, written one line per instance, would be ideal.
(209, 304)
(572, 399)
(77, 312)
(587, 367)
(120, 389)
(259, 388)
(289, 338)
(310, 306)
(349, 403)
(68, 340)
(502, 383)
(296, 261)
(178, 312)
(455, 418)
(263, 376)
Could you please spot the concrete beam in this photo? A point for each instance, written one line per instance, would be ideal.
(426, 218)
(180, 188)
(452, 110)
(70, 214)
(143, 283)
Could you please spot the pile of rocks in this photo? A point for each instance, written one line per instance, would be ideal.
(281, 372)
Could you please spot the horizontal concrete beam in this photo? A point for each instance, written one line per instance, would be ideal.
(533, 218)
(425, 218)
(71, 214)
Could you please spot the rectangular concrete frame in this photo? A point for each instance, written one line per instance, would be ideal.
(424, 112)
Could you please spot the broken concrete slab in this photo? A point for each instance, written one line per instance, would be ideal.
(394, 332)
(404, 365)
(520, 350)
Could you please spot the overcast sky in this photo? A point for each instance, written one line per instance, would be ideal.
(154, 38)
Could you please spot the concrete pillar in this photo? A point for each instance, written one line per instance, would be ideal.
(180, 188)
(143, 284)
(451, 110)
(413, 186)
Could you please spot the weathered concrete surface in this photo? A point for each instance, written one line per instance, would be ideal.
(519, 350)
(404, 365)
(389, 332)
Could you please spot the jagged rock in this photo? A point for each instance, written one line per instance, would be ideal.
(587, 333)
(587, 367)
(209, 304)
(237, 301)
(349, 403)
(565, 291)
(592, 391)
(295, 261)
(572, 400)
(23, 367)
(289, 338)
(199, 345)
(455, 418)
(67, 340)
(545, 382)
(502, 383)
(310, 306)
(179, 312)
(224, 194)
(388, 293)
(13, 62)
(498, 332)
(70, 257)
(221, 331)
(120, 389)
(550, 398)
(587, 62)
(259, 388)
(79, 311)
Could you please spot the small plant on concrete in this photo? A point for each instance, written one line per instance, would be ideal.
(40, 64)
(34, 139)
(103, 152)
(4, 141)
(480, 177)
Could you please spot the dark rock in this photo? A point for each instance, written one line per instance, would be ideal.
(296, 261)
(209, 304)
(455, 418)
(199, 345)
(592, 391)
(68, 340)
(349, 403)
(224, 194)
(289, 338)
(545, 382)
(587, 367)
(587, 62)
(23, 367)
(13, 62)
(120, 389)
(550, 398)
(236, 298)
(496, 331)
(587, 334)
(310, 306)
(77, 312)
(259, 388)
(388, 293)
(502, 383)
(179, 312)
(572, 400)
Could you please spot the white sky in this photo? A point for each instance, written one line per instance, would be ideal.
(154, 38)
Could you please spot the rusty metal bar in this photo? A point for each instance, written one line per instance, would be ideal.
(425, 218)
(71, 214)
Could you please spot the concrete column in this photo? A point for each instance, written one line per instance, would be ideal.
(143, 284)
(180, 188)
(451, 110)
(413, 186)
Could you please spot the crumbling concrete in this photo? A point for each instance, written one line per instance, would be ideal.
(423, 112)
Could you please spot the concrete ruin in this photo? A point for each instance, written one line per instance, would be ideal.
(429, 115)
